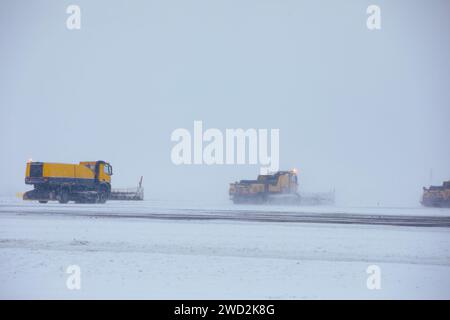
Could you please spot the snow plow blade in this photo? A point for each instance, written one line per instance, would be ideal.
(318, 198)
(130, 194)
(135, 194)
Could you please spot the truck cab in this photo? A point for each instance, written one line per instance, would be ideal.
(102, 170)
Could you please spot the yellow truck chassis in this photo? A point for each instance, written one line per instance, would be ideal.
(278, 188)
(437, 196)
(86, 182)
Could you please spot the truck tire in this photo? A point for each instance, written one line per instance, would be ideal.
(102, 195)
(63, 196)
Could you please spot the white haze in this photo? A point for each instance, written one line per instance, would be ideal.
(364, 112)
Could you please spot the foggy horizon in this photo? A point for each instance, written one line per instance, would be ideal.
(362, 112)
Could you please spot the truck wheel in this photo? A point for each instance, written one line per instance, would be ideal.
(237, 200)
(260, 199)
(63, 196)
(102, 195)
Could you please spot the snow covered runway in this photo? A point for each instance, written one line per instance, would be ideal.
(166, 258)
(301, 214)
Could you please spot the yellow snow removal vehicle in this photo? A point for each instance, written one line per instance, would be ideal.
(86, 182)
(437, 196)
(280, 187)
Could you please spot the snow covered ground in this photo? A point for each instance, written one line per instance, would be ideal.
(8, 204)
(147, 258)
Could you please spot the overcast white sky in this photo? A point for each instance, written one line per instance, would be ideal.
(364, 112)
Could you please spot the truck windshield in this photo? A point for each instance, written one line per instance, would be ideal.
(107, 169)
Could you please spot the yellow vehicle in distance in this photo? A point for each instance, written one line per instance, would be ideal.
(437, 196)
(280, 187)
(86, 182)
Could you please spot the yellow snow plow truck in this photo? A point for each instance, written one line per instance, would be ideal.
(86, 182)
(437, 196)
(280, 187)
